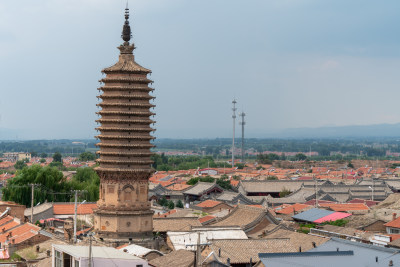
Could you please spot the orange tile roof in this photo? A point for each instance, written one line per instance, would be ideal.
(345, 207)
(206, 218)
(69, 209)
(208, 203)
(19, 231)
(292, 208)
(395, 223)
(166, 214)
(6, 220)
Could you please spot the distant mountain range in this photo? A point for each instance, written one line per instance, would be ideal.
(352, 131)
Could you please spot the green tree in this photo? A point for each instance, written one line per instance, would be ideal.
(300, 156)
(20, 164)
(224, 182)
(163, 201)
(272, 177)
(350, 165)
(179, 204)
(51, 181)
(87, 156)
(171, 205)
(87, 179)
(42, 160)
(43, 155)
(34, 154)
(284, 192)
(57, 157)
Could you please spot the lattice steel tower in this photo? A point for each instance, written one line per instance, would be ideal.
(242, 123)
(233, 136)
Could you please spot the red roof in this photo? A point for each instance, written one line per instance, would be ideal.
(345, 206)
(292, 208)
(369, 203)
(208, 203)
(69, 209)
(333, 217)
(395, 223)
(206, 218)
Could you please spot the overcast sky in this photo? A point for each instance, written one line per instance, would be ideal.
(289, 63)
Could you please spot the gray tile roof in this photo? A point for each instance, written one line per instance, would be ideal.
(312, 215)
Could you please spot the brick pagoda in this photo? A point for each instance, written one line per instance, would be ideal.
(124, 157)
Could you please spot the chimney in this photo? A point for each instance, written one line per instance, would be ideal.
(390, 263)
(394, 216)
(219, 252)
(314, 244)
(376, 259)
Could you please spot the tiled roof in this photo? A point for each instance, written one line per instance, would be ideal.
(292, 208)
(345, 207)
(200, 188)
(239, 251)
(6, 219)
(206, 218)
(69, 208)
(208, 203)
(298, 240)
(181, 258)
(395, 223)
(174, 224)
(241, 216)
(20, 230)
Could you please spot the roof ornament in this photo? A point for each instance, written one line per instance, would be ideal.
(126, 30)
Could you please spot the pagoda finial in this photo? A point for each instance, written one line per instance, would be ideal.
(126, 30)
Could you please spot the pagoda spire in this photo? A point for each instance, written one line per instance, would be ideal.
(126, 30)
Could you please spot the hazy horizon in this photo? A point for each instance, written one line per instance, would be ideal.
(290, 64)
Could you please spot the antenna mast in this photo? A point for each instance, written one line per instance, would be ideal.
(242, 123)
(233, 136)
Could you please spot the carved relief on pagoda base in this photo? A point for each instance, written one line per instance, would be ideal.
(121, 177)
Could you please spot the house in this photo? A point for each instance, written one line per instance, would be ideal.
(201, 190)
(335, 252)
(163, 225)
(78, 256)
(181, 258)
(393, 227)
(139, 251)
(244, 252)
(64, 210)
(187, 240)
(212, 205)
(319, 216)
(249, 219)
(41, 212)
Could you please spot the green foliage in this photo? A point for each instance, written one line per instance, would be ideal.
(272, 177)
(58, 165)
(240, 166)
(50, 179)
(20, 164)
(263, 159)
(87, 179)
(179, 204)
(260, 167)
(171, 205)
(224, 182)
(350, 165)
(341, 222)
(87, 156)
(34, 154)
(300, 156)
(42, 160)
(57, 157)
(52, 186)
(163, 201)
(43, 155)
(284, 192)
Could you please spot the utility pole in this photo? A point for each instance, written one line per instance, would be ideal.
(32, 199)
(90, 250)
(233, 136)
(316, 191)
(198, 251)
(242, 123)
(76, 211)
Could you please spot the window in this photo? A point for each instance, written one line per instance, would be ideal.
(58, 259)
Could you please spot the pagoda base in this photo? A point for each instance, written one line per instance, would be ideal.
(120, 227)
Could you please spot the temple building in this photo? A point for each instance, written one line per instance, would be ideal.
(125, 141)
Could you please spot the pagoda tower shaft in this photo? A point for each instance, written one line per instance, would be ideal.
(125, 141)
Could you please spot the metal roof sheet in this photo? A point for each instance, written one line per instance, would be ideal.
(333, 217)
(312, 215)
